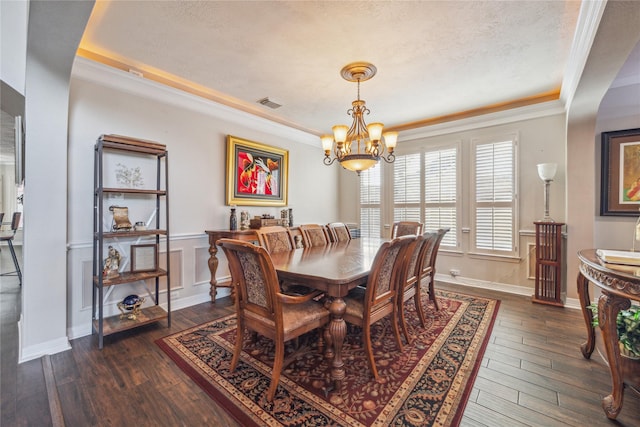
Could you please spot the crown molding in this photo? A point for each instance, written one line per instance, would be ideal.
(586, 28)
(527, 112)
(133, 83)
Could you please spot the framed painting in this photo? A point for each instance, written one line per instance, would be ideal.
(257, 174)
(620, 189)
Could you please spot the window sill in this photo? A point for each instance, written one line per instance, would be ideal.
(506, 258)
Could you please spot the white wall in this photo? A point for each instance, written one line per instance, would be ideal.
(110, 101)
(620, 109)
(13, 42)
(541, 140)
(50, 55)
(617, 35)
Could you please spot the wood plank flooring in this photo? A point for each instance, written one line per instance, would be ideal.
(532, 374)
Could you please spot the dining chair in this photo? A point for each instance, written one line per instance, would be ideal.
(339, 232)
(275, 239)
(261, 306)
(404, 228)
(297, 237)
(367, 305)
(429, 265)
(411, 287)
(314, 235)
(8, 237)
(280, 239)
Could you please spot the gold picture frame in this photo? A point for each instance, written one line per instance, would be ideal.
(144, 258)
(257, 174)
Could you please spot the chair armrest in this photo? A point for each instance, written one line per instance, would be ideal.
(297, 299)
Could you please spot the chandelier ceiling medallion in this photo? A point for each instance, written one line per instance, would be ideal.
(360, 146)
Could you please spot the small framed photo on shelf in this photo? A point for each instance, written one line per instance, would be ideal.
(144, 258)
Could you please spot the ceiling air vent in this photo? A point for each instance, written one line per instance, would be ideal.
(269, 103)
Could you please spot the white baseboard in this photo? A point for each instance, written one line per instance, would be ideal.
(42, 349)
(500, 287)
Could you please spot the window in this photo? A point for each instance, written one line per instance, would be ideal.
(370, 195)
(494, 197)
(406, 188)
(440, 193)
(425, 190)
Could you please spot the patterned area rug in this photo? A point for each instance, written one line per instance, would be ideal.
(427, 384)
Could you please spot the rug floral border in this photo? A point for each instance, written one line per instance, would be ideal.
(253, 410)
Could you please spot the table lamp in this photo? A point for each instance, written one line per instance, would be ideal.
(547, 171)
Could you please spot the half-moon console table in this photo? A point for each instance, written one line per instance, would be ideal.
(618, 288)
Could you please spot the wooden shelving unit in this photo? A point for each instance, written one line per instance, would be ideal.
(102, 235)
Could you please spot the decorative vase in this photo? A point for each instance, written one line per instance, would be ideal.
(290, 217)
(233, 220)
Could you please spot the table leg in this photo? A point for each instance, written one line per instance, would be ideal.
(583, 295)
(337, 332)
(213, 267)
(608, 308)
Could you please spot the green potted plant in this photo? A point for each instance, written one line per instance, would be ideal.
(628, 323)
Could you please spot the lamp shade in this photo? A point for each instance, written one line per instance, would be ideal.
(375, 131)
(340, 133)
(327, 142)
(547, 171)
(390, 139)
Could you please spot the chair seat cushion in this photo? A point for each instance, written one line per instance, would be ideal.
(295, 316)
(355, 303)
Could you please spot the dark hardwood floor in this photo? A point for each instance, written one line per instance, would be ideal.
(532, 374)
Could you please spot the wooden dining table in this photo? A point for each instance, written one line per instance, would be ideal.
(334, 269)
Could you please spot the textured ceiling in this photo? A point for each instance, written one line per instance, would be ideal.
(433, 58)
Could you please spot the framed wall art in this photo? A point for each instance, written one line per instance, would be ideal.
(620, 189)
(144, 258)
(257, 174)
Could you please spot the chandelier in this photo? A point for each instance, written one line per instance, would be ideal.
(360, 146)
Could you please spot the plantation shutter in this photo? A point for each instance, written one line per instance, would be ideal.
(440, 193)
(370, 218)
(495, 200)
(406, 188)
